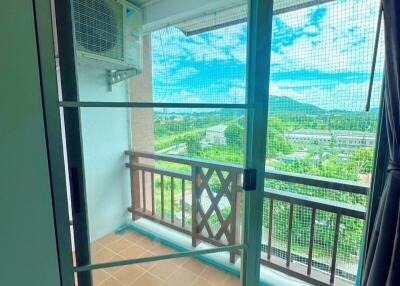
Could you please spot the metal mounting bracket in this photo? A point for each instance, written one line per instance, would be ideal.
(115, 76)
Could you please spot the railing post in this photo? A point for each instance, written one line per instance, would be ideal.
(135, 185)
(289, 243)
(335, 248)
(195, 200)
(235, 216)
(270, 224)
(310, 251)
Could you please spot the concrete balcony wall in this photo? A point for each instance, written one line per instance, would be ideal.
(106, 134)
(142, 119)
(105, 137)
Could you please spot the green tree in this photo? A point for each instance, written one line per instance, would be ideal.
(193, 145)
(276, 142)
(362, 159)
(234, 134)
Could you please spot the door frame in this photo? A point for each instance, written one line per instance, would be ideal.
(257, 88)
(256, 106)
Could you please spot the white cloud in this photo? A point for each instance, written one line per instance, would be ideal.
(344, 96)
(240, 53)
(295, 19)
(237, 94)
(344, 44)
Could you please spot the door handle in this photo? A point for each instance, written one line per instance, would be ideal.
(249, 179)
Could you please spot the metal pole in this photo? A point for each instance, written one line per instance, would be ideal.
(69, 85)
(258, 71)
(375, 54)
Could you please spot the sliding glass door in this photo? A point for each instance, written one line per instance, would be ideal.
(164, 110)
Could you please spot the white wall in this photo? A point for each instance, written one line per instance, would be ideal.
(105, 136)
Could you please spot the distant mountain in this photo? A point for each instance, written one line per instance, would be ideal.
(276, 104)
(283, 103)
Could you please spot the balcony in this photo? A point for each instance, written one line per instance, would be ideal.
(304, 237)
(178, 272)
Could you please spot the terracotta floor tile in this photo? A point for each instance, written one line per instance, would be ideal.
(95, 247)
(202, 282)
(179, 261)
(99, 276)
(111, 282)
(132, 236)
(133, 251)
(109, 238)
(119, 245)
(163, 270)
(148, 243)
(161, 249)
(103, 255)
(113, 270)
(194, 266)
(147, 279)
(128, 274)
(147, 265)
(214, 275)
(181, 277)
(232, 280)
(184, 271)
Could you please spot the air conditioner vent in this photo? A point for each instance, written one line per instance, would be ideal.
(99, 27)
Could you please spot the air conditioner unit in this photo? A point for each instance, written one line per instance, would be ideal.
(109, 31)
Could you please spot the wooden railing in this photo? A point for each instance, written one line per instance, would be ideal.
(209, 221)
(210, 205)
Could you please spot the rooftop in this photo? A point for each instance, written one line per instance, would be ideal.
(218, 128)
(322, 132)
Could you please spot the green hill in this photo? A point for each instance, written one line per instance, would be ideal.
(287, 104)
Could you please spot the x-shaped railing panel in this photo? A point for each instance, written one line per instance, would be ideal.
(227, 189)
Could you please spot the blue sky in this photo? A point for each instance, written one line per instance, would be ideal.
(320, 55)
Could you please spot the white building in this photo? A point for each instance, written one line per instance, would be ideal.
(215, 135)
(339, 138)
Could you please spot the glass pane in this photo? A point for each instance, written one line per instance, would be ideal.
(318, 129)
(188, 196)
(141, 205)
(204, 68)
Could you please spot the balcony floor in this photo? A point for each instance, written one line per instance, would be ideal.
(175, 272)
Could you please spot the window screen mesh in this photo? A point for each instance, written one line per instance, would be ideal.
(317, 125)
(321, 58)
(204, 68)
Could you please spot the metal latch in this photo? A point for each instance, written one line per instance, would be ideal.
(249, 179)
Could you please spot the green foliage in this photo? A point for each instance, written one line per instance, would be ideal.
(276, 142)
(193, 145)
(321, 160)
(231, 154)
(234, 134)
(362, 160)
